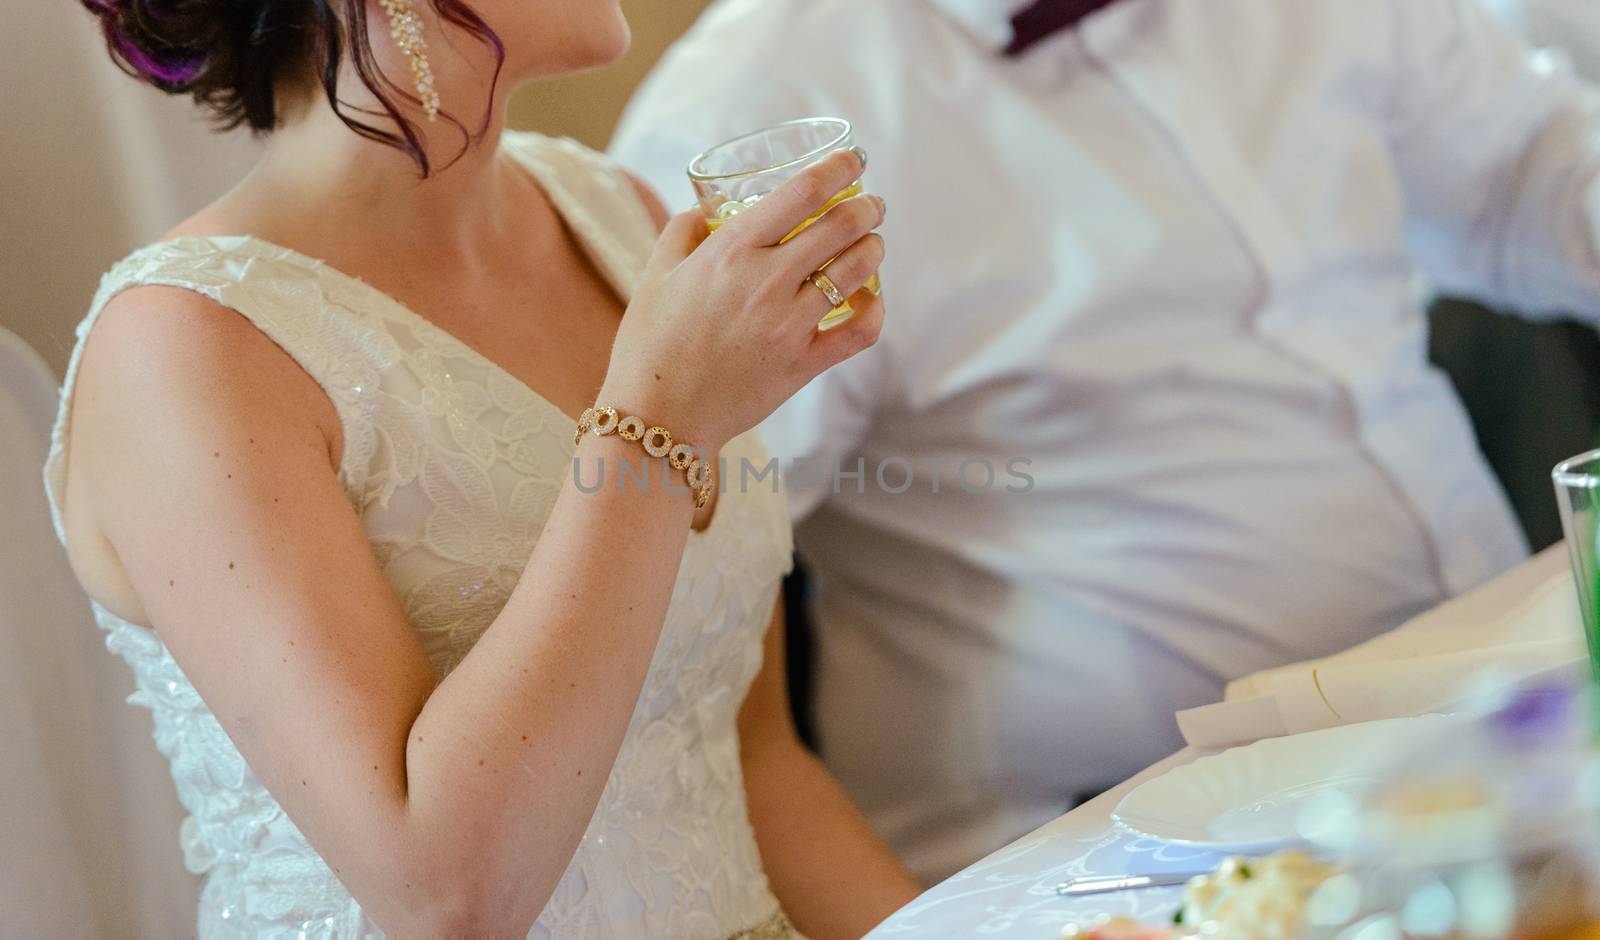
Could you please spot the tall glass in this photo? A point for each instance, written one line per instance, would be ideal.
(735, 175)
(1578, 492)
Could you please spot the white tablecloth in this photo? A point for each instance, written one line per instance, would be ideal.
(1012, 893)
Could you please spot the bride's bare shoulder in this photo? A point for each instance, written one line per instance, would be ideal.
(161, 330)
(156, 343)
(166, 378)
(156, 346)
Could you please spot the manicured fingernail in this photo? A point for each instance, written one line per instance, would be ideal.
(860, 155)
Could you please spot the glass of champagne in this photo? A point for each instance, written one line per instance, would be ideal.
(735, 175)
(1578, 491)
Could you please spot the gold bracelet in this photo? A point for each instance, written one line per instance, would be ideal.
(656, 441)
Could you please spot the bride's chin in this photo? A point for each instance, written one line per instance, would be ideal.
(606, 39)
(620, 39)
(595, 49)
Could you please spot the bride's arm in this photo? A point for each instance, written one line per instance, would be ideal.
(220, 501)
(831, 872)
(203, 461)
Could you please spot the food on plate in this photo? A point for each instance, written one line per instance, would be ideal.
(1488, 832)
(1244, 899)
(1429, 799)
(1254, 899)
(1119, 928)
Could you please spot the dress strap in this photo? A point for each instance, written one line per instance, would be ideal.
(597, 198)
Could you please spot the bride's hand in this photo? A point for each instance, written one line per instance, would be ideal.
(723, 329)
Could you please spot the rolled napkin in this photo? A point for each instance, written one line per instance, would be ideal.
(1520, 625)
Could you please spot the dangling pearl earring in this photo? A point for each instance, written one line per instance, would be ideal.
(406, 29)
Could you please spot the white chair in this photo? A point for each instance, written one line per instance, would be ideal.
(88, 817)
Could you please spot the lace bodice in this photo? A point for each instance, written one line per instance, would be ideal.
(453, 465)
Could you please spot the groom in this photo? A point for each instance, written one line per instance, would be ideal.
(1163, 254)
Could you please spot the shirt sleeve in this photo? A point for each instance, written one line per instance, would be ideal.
(819, 434)
(1498, 150)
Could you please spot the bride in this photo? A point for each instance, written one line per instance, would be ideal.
(316, 465)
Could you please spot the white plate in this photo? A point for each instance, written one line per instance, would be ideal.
(1246, 799)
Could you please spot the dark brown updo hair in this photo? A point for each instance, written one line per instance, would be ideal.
(235, 57)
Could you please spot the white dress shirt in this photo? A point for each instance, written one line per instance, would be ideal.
(1167, 259)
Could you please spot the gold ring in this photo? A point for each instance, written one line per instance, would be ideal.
(829, 290)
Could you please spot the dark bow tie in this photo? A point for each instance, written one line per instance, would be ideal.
(1045, 18)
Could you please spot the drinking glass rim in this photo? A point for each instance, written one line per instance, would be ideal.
(714, 177)
(1564, 475)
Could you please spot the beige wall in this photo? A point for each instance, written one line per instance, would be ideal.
(587, 106)
(99, 164)
(95, 164)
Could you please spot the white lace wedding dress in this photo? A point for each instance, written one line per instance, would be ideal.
(453, 466)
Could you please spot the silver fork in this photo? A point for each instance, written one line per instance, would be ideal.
(1101, 884)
